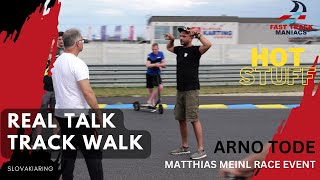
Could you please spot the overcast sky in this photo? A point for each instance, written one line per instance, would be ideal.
(95, 13)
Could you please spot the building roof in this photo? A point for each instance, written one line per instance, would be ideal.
(211, 19)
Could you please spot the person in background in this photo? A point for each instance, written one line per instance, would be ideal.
(155, 63)
(48, 100)
(73, 92)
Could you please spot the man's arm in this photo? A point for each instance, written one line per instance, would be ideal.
(162, 64)
(149, 65)
(90, 97)
(246, 172)
(170, 44)
(206, 44)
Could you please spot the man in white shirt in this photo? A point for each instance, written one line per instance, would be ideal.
(73, 92)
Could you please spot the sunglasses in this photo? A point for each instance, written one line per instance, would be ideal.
(81, 40)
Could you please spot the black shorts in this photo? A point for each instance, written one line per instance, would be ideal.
(153, 80)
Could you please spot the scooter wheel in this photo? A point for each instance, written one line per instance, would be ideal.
(136, 106)
(160, 110)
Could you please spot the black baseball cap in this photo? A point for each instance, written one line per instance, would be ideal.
(185, 29)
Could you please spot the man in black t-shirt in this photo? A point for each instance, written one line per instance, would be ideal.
(187, 103)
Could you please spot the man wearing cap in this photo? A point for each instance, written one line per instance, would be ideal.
(187, 102)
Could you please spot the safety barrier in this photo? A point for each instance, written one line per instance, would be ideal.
(209, 75)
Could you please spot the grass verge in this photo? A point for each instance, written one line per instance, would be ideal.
(142, 91)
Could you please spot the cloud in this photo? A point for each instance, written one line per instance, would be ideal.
(111, 12)
(153, 5)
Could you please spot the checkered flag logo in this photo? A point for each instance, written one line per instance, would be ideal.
(290, 19)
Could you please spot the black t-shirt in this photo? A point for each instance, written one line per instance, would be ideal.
(47, 81)
(188, 60)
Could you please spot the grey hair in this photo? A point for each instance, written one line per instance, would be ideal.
(70, 37)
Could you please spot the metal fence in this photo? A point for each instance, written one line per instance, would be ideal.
(136, 54)
(209, 75)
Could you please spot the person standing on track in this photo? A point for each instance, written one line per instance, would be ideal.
(155, 62)
(48, 99)
(73, 92)
(187, 102)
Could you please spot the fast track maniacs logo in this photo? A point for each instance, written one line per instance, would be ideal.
(289, 25)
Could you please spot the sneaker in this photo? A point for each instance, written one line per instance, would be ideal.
(149, 103)
(198, 155)
(181, 150)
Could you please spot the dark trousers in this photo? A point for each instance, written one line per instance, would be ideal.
(92, 157)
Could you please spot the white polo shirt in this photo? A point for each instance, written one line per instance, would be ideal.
(67, 71)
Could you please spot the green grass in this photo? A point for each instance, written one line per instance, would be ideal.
(142, 91)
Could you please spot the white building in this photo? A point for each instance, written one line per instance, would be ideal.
(218, 29)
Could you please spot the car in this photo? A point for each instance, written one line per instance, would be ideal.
(86, 40)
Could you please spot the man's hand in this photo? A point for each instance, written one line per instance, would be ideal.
(99, 117)
(170, 44)
(158, 65)
(168, 36)
(99, 120)
(196, 34)
(206, 44)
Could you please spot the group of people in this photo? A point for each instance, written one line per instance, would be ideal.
(69, 88)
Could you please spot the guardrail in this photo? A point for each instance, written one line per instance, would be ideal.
(135, 75)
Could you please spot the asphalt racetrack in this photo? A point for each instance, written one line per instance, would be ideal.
(218, 125)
